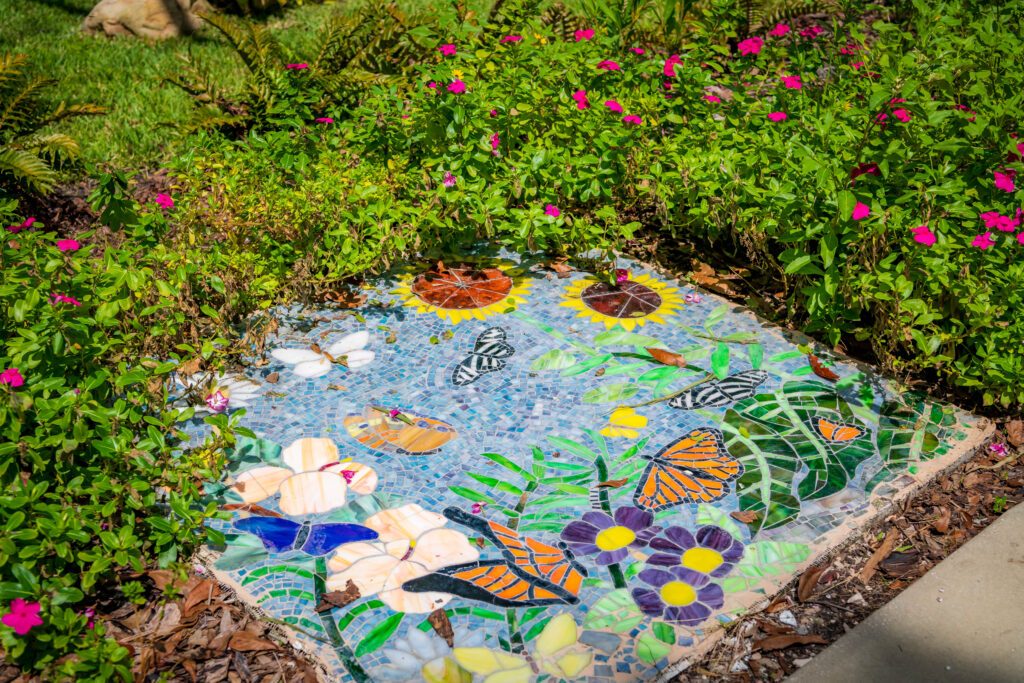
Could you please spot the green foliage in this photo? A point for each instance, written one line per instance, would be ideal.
(27, 152)
(256, 6)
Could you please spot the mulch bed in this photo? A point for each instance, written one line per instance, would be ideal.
(205, 635)
(831, 598)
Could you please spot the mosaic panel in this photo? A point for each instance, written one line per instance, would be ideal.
(493, 473)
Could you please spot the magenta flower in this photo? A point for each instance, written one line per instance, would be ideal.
(18, 228)
(61, 299)
(856, 65)
(983, 242)
(750, 46)
(670, 66)
(552, 210)
(779, 30)
(881, 117)
(777, 115)
(447, 50)
(637, 50)
(613, 105)
(870, 168)
(581, 99)
(902, 115)
(511, 39)
(998, 448)
(693, 298)
(792, 82)
(324, 119)
(449, 180)
(23, 616)
(711, 98)
(432, 85)
(298, 67)
(1004, 181)
(164, 201)
(457, 87)
(13, 377)
(217, 402)
(1020, 238)
(495, 141)
(494, 113)
(849, 49)
(68, 245)
(633, 119)
(621, 275)
(811, 31)
(923, 235)
(608, 65)
(584, 34)
(861, 211)
(991, 218)
(393, 413)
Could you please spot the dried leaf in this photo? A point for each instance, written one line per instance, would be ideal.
(251, 508)
(334, 599)
(743, 516)
(1015, 432)
(871, 566)
(191, 367)
(346, 298)
(274, 377)
(600, 372)
(777, 604)
(480, 543)
(667, 357)
(899, 564)
(169, 620)
(442, 626)
(942, 523)
(820, 370)
(784, 640)
(808, 580)
(244, 641)
(190, 668)
(773, 628)
(612, 483)
(201, 596)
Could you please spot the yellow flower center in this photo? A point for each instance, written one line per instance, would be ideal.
(615, 538)
(702, 560)
(678, 593)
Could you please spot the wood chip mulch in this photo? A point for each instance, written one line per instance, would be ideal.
(831, 598)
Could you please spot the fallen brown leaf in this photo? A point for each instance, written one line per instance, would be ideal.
(612, 483)
(244, 641)
(899, 564)
(274, 377)
(667, 357)
(743, 516)
(808, 580)
(251, 508)
(342, 598)
(942, 523)
(442, 626)
(1015, 432)
(820, 370)
(784, 640)
(773, 628)
(204, 592)
(871, 566)
(190, 668)
(346, 298)
(190, 368)
(777, 604)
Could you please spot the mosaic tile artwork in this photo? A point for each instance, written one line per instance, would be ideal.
(494, 473)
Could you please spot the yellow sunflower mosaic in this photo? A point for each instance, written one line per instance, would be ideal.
(632, 302)
(466, 291)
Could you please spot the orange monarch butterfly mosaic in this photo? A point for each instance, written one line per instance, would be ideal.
(836, 432)
(693, 469)
(531, 574)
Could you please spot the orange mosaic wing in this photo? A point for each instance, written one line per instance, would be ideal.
(693, 469)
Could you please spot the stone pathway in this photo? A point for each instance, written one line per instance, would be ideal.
(518, 477)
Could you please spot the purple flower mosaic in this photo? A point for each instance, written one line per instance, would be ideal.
(678, 595)
(610, 538)
(712, 550)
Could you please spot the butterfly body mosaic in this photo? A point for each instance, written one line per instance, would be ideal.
(530, 574)
(693, 469)
(280, 535)
(488, 355)
(720, 393)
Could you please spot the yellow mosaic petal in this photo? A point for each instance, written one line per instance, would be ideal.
(445, 670)
(484, 661)
(311, 493)
(614, 432)
(520, 675)
(309, 455)
(558, 634)
(408, 522)
(573, 663)
(627, 417)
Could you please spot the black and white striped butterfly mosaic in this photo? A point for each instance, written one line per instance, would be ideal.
(722, 392)
(488, 355)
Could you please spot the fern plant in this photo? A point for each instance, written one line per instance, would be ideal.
(27, 155)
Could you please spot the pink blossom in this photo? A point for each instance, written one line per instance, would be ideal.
(297, 66)
(896, 100)
(1004, 181)
(902, 114)
(633, 119)
(670, 66)
(869, 168)
(217, 402)
(164, 201)
(792, 82)
(61, 299)
(777, 116)
(613, 105)
(923, 235)
(494, 113)
(779, 30)
(667, 85)
(983, 241)
(711, 98)
(13, 377)
(608, 65)
(552, 210)
(856, 65)
(693, 298)
(621, 275)
(495, 141)
(511, 39)
(457, 87)
(18, 228)
(449, 180)
(584, 34)
(849, 49)
(478, 508)
(447, 49)
(1020, 238)
(750, 46)
(881, 117)
(324, 119)
(581, 99)
(637, 50)
(861, 211)
(432, 85)
(348, 475)
(393, 413)
(990, 218)
(68, 245)
(998, 448)
(23, 616)
(811, 31)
